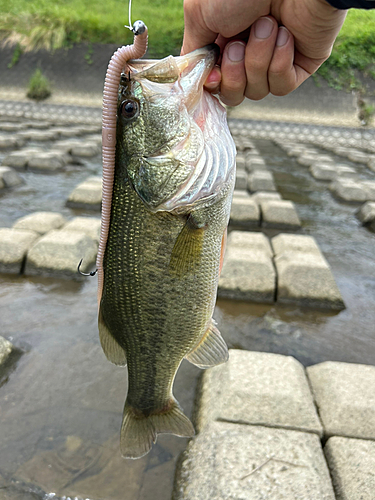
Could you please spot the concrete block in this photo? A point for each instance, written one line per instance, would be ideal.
(349, 190)
(306, 279)
(242, 462)
(371, 164)
(358, 156)
(366, 214)
(58, 253)
(96, 138)
(66, 145)
(85, 149)
(85, 225)
(279, 214)
(370, 189)
(261, 181)
(87, 195)
(346, 171)
(247, 274)
(345, 396)
(307, 159)
(259, 389)
(255, 163)
(7, 141)
(323, 171)
(40, 222)
(287, 243)
(241, 180)
(47, 161)
(6, 349)
(20, 159)
(352, 466)
(14, 245)
(260, 196)
(12, 126)
(249, 240)
(240, 163)
(244, 212)
(10, 177)
(38, 135)
(240, 193)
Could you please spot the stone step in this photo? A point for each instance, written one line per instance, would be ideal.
(244, 212)
(248, 272)
(238, 462)
(303, 275)
(280, 214)
(40, 222)
(259, 389)
(352, 465)
(14, 245)
(58, 253)
(345, 397)
(87, 195)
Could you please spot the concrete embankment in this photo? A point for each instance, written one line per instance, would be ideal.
(268, 428)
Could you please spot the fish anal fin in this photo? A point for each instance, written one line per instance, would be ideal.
(112, 349)
(139, 432)
(211, 350)
(187, 250)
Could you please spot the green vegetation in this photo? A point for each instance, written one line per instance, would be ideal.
(353, 54)
(16, 55)
(39, 86)
(52, 24)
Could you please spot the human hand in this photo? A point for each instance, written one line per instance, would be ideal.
(266, 45)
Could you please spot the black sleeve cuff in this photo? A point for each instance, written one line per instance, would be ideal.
(349, 4)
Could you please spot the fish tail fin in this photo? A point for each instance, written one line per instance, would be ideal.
(139, 432)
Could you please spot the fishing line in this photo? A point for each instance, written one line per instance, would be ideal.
(130, 17)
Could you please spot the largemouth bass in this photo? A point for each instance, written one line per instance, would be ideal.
(173, 182)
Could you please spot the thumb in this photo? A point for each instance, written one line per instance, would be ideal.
(196, 34)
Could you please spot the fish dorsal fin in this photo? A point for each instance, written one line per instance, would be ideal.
(113, 351)
(211, 350)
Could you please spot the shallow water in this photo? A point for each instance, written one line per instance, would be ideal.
(61, 405)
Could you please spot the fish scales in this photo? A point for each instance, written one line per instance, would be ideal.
(163, 253)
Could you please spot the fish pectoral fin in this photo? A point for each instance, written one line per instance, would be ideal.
(187, 250)
(211, 350)
(139, 432)
(112, 349)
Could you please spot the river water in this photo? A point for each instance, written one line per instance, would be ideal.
(61, 403)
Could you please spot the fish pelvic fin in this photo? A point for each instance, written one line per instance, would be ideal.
(139, 432)
(112, 349)
(211, 350)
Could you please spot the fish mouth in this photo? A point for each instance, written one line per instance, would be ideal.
(191, 70)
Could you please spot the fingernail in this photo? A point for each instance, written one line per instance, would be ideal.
(236, 51)
(263, 28)
(282, 37)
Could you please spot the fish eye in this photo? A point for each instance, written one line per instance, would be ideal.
(129, 109)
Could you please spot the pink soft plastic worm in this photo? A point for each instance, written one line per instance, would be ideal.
(116, 65)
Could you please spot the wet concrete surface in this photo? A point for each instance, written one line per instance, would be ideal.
(61, 406)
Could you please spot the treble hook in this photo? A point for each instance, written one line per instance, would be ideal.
(92, 273)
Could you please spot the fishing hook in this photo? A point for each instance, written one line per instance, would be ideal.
(92, 273)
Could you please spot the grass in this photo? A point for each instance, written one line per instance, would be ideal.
(52, 24)
(39, 86)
